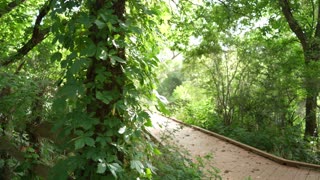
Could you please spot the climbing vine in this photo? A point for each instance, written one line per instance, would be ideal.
(86, 119)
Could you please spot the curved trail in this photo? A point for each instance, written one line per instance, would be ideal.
(233, 162)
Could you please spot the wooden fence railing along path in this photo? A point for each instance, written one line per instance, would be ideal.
(234, 159)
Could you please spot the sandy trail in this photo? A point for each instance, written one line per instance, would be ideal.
(233, 162)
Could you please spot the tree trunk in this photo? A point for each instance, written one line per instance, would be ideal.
(311, 118)
(311, 49)
(312, 89)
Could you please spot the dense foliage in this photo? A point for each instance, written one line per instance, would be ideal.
(73, 76)
(77, 79)
(250, 71)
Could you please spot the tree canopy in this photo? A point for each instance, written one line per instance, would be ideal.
(250, 71)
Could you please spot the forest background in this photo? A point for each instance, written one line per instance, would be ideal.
(248, 70)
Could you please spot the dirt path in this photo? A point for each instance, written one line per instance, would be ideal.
(234, 162)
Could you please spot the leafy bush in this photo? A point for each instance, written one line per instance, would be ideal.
(175, 163)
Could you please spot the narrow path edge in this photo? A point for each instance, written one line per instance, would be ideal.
(272, 157)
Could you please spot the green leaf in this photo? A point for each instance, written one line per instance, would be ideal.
(79, 143)
(57, 56)
(64, 63)
(104, 96)
(137, 165)
(69, 90)
(102, 53)
(59, 105)
(157, 151)
(89, 50)
(88, 123)
(102, 75)
(76, 66)
(89, 141)
(110, 27)
(114, 168)
(100, 24)
(117, 59)
(85, 20)
(106, 15)
(102, 167)
(59, 170)
(122, 130)
(148, 173)
(135, 29)
(148, 123)
(162, 107)
(82, 141)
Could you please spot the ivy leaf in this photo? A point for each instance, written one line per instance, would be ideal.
(85, 20)
(102, 167)
(157, 151)
(89, 141)
(59, 105)
(76, 66)
(117, 59)
(148, 173)
(135, 29)
(82, 141)
(102, 54)
(90, 50)
(79, 143)
(88, 123)
(106, 15)
(162, 107)
(137, 165)
(100, 24)
(104, 96)
(69, 90)
(114, 168)
(148, 123)
(56, 57)
(122, 130)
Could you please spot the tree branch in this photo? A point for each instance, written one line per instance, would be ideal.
(38, 35)
(293, 24)
(10, 7)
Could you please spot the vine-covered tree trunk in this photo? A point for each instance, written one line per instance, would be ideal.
(115, 82)
(112, 87)
(94, 112)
